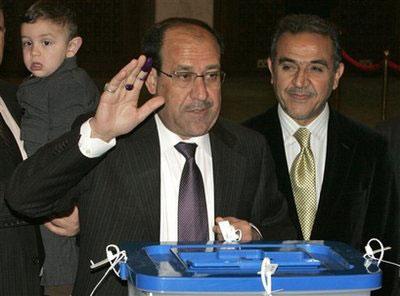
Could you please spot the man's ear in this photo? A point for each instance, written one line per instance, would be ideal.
(270, 67)
(73, 46)
(151, 81)
(338, 74)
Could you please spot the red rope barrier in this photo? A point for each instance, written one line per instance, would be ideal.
(369, 68)
(394, 66)
(362, 67)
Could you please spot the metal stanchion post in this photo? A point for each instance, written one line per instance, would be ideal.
(385, 83)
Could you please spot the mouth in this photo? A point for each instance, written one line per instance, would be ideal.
(199, 107)
(36, 66)
(300, 96)
(198, 112)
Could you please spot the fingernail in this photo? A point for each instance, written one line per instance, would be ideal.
(128, 86)
(144, 77)
(147, 65)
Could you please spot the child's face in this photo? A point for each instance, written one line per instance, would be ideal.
(44, 46)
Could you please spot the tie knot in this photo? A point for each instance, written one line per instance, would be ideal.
(186, 149)
(302, 136)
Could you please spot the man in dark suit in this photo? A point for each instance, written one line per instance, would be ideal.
(21, 254)
(349, 195)
(391, 130)
(133, 191)
(20, 260)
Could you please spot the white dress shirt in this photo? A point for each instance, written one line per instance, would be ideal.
(172, 163)
(9, 120)
(319, 137)
(171, 168)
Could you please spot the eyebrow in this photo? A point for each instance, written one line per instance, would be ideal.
(190, 68)
(40, 36)
(289, 60)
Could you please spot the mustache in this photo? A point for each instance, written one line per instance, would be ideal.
(198, 105)
(300, 91)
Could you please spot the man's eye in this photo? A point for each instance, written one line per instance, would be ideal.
(212, 76)
(317, 69)
(287, 67)
(26, 43)
(184, 76)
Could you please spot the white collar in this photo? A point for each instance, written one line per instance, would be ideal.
(289, 126)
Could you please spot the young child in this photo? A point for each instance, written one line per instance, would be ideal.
(52, 97)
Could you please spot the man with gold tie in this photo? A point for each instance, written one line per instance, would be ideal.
(334, 172)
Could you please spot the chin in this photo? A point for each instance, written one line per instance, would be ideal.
(197, 132)
(39, 75)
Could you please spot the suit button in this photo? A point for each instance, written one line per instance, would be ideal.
(35, 260)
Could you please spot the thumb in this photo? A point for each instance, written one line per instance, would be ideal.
(150, 106)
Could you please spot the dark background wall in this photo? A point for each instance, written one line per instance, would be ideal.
(112, 30)
(367, 26)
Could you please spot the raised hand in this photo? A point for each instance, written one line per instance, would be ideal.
(118, 112)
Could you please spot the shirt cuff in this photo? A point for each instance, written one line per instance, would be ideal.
(92, 147)
(256, 230)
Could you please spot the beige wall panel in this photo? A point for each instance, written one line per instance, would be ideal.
(199, 9)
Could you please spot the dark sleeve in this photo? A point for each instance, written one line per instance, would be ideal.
(7, 217)
(388, 214)
(35, 121)
(71, 97)
(382, 219)
(270, 210)
(41, 185)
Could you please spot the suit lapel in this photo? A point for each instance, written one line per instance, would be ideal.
(228, 170)
(339, 156)
(275, 140)
(10, 148)
(9, 145)
(340, 152)
(277, 146)
(146, 148)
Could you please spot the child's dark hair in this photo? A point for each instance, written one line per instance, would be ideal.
(55, 11)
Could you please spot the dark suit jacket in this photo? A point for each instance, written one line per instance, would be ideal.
(19, 256)
(358, 199)
(119, 198)
(391, 130)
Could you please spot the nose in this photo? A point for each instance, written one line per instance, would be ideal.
(300, 78)
(35, 50)
(199, 89)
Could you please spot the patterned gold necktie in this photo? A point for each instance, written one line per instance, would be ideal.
(302, 177)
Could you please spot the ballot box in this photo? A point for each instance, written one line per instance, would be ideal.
(303, 268)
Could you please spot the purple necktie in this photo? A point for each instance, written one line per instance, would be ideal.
(192, 208)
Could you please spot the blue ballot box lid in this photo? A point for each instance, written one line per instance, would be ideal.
(302, 266)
